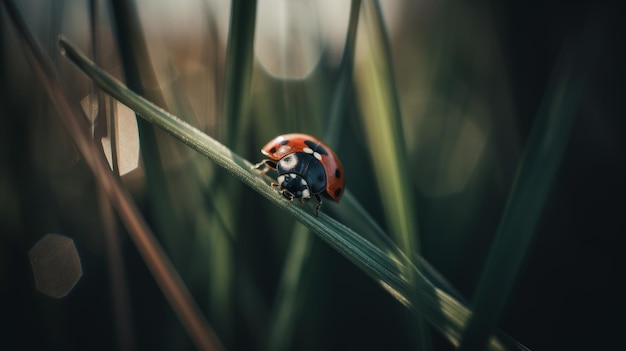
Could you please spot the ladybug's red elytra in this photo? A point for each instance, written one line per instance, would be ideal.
(305, 167)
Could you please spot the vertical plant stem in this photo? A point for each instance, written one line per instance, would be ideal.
(119, 289)
(343, 88)
(141, 78)
(383, 125)
(237, 81)
(239, 64)
(544, 152)
(285, 307)
(165, 275)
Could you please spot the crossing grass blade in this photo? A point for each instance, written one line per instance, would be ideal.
(383, 128)
(285, 309)
(237, 87)
(116, 262)
(142, 79)
(543, 155)
(239, 59)
(439, 308)
(162, 270)
(287, 301)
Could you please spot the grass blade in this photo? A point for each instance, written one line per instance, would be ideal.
(142, 79)
(342, 94)
(239, 59)
(282, 319)
(443, 311)
(383, 127)
(285, 309)
(544, 151)
(237, 81)
(104, 125)
(166, 276)
(383, 124)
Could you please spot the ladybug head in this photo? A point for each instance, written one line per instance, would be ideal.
(293, 186)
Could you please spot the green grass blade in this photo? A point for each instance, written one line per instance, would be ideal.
(287, 306)
(342, 94)
(239, 64)
(543, 155)
(287, 301)
(237, 88)
(443, 311)
(383, 126)
(142, 79)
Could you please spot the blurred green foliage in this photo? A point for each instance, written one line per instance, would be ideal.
(470, 79)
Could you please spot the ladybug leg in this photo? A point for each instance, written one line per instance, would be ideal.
(266, 164)
(260, 164)
(284, 192)
(288, 195)
(319, 204)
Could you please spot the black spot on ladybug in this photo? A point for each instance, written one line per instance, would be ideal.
(316, 147)
(337, 173)
(272, 150)
(284, 142)
(337, 192)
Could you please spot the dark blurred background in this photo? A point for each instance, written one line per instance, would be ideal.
(570, 295)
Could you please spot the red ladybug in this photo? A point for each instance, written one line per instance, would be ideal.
(305, 167)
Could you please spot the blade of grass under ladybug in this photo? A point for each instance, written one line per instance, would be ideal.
(543, 155)
(383, 127)
(356, 217)
(166, 276)
(443, 311)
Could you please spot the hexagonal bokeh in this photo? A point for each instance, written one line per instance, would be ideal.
(56, 265)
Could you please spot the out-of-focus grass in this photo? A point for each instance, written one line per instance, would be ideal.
(286, 306)
(412, 289)
(429, 126)
(543, 157)
(376, 88)
(166, 276)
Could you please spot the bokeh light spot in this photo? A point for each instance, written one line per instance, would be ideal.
(56, 265)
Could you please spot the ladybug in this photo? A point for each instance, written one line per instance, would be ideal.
(306, 167)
